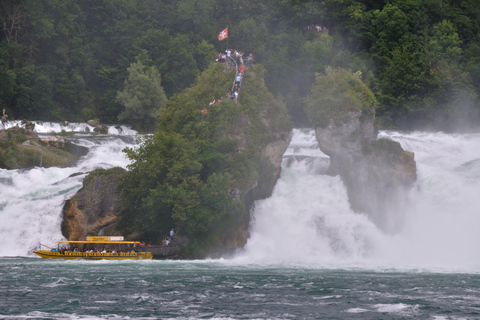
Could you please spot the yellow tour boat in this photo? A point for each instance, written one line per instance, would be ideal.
(97, 248)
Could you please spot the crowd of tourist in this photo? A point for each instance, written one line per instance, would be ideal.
(315, 28)
(235, 58)
(168, 240)
(111, 250)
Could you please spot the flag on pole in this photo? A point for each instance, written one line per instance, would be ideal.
(223, 35)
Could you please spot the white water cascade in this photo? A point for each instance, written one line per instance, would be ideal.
(308, 221)
(56, 127)
(31, 201)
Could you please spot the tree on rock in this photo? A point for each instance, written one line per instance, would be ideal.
(337, 93)
(142, 97)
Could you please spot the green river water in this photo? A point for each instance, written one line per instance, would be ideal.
(33, 288)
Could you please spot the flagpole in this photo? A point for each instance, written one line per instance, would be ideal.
(227, 36)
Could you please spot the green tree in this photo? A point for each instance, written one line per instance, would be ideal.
(388, 29)
(204, 52)
(160, 189)
(444, 44)
(335, 94)
(399, 83)
(142, 97)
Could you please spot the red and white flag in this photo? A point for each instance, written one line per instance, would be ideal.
(223, 35)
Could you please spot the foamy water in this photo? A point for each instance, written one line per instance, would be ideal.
(57, 127)
(31, 201)
(308, 220)
(309, 255)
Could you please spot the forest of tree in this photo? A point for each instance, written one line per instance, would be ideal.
(69, 59)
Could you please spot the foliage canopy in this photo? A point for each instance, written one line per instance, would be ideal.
(335, 94)
(67, 60)
(142, 97)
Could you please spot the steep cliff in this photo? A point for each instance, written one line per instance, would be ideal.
(199, 173)
(209, 160)
(377, 173)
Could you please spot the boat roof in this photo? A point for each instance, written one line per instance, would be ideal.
(102, 239)
(99, 241)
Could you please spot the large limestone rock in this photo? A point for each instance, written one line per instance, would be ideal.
(377, 174)
(21, 148)
(265, 131)
(94, 207)
(97, 127)
(35, 155)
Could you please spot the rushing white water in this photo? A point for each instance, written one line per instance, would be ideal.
(442, 220)
(307, 220)
(56, 127)
(31, 201)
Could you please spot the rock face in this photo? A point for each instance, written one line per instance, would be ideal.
(267, 132)
(377, 174)
(261, 130)
(21, 148)
(94, 207)
(97, 127)
(260, 187)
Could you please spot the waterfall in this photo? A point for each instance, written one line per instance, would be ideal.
(308, 220)
(31, 201)
(56, 127)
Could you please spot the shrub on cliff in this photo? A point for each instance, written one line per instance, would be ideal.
(335, 94)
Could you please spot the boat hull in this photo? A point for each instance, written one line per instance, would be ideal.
(93, 256)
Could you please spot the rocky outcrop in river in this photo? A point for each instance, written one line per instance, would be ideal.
(377, 173)
(22, 148)
(94, 207)
(205, 192)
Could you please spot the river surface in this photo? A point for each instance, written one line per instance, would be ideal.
(308, 257)
(32, 288)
